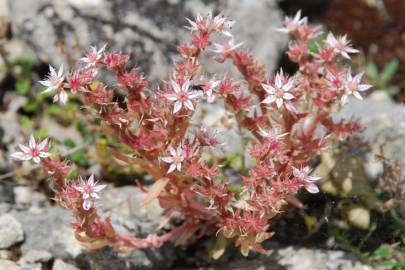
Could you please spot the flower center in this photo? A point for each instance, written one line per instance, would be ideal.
(352, 86)
(182, 96)
(177, 159)
(34, 152)
(279, 93)
(88, 189)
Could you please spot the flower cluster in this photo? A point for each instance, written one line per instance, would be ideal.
(287, 118)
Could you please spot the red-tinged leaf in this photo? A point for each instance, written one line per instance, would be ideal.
(219, 248)
(165, 219)
(108, 228)
(94, 245)
(259, 248)
(292, 200)
(126, 158)
(155, 190)
(244, 247)
(122, 157)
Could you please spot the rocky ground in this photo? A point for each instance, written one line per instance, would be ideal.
(34, 236)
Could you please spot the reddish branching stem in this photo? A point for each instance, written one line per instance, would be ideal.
(288, 119)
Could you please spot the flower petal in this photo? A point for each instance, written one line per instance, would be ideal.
(279, 102)
(269, 99)
(172, 168)
(60, 72)
(99, 188)
(288, 96)
(36, 159)
(167, 159)
(42, 144)
(87, 204)
(172, 151)
(189, 105)
(52, 70)
(171, 97)
(43, 154)
(46, 83)
(311, 187)
(63, 97)
(90, 181)
(32, 142)
(175, 86)
(20, 156)
(357, 95)
(24, 148)
(268, 88)
(177, 106)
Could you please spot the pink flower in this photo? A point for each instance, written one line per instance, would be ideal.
(175, 160)
(55, 81)
(208, 87)
(93, 56)
(353, 86)
(272, 134)
(182, 95)
(207, 137)
(303, 175)
(340, 45)
(293, 24)
(198, 22)
(89, 191)
(77, 81)
(218, 23)
(221, 23)
(280, 92)
(33, 151)
(335, 82)
(226, 48)
(115, 60)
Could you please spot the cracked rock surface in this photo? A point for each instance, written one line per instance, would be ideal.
(59, 31)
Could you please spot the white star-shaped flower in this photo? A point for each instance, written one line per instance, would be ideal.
(353, 86)
(340, 45)
(33, 151)
(89, 190)
(55, 82)
(293, 24)
(182, 95)
(304, 176)
(93, 56)
(279, 92)
(227, 46)
(175, 160)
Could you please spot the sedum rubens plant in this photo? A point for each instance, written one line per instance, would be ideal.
(289, 119)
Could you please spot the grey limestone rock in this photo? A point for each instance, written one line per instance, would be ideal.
(61, 265)
(295, 258)
(11, 231)
(47, 230)
(383, 123)
(8, 265)
(59, 31)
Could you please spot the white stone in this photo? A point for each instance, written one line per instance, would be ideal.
(11, 231)
(8, 265)
(61, 265)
